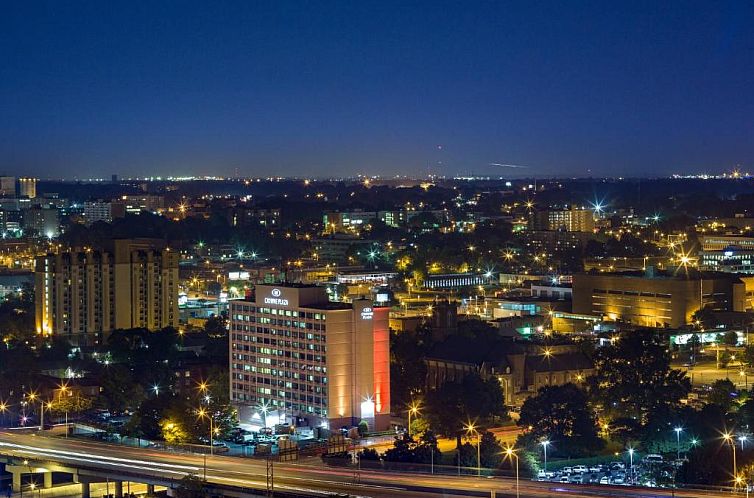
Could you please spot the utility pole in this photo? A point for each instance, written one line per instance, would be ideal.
(270, 477)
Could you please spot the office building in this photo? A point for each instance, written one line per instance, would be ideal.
(297, 357)
(85, 294)
(658, 299)
(27, 187)
(723, 242)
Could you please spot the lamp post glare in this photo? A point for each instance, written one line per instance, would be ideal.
(545, 444)
(631, 467)
(471, 429)
(510, 452)
(412, 411)
(202, 414)
(728, 438)
(678, 431)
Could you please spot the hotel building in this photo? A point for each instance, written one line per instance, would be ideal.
(295, 355)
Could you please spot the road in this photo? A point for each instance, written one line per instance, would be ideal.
(301, 478)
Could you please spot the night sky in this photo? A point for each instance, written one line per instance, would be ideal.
(339, 88)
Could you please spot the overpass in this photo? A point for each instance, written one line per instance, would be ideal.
(90, 462)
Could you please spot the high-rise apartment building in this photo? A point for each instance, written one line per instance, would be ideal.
(27, 187)
(85, 294)
(569, 220)
(8, 186)
(98, 211)
(295, 355)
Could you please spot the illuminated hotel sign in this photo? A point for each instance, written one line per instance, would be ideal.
(367, 313)
(276, 299)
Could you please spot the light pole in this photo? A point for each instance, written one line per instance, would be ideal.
(32, 397)
(470, 429)
(631, 456)
(413, 410)
(263, 408)
(678, 431)
(204, 413)
(728, 438)
(3, 410)
(743, 439)
(510, 452)
(62, 389)
(545, 444)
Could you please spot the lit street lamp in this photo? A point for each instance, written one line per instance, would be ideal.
(33, 397)
(413, 410)
(510, 452)
(202, 413)
(743, 439)
(678, 431)
(728, 438)
(3, 410)
(470, 428)
(545, 444)
(631, 456)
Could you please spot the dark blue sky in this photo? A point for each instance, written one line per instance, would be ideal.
(324, 88)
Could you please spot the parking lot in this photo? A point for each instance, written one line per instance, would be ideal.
(643, 472)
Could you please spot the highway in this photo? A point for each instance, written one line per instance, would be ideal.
(308, 480)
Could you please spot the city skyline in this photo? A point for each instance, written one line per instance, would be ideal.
(514, 90)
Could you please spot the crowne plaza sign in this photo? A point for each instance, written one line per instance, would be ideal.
(275, 298)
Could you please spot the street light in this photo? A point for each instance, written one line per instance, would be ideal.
(743, 439)
(264, 409)
(32, 397)
(202, 413)
(510, 452)
(470, 428)
(728, 438)
(63, 389)
(413, 410)
(678, 431)
(545, 444)
(631, 456)
(3, 410)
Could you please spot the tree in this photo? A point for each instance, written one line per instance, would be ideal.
(450, 405)
(561, 414)
(215, 326)
(71, 405)
(722, 394)
(426, 447)
(403, 450)
(633, 378)
(119, 390)
(748, 355)
(490, 450)
(173, 431)
(369, 454)
(190, 486)
(704, 318)
(729, 338)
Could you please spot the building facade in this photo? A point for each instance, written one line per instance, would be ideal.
(27, 187)
(83, 295)
(296, 357)
(652, 299)
(568, 220)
